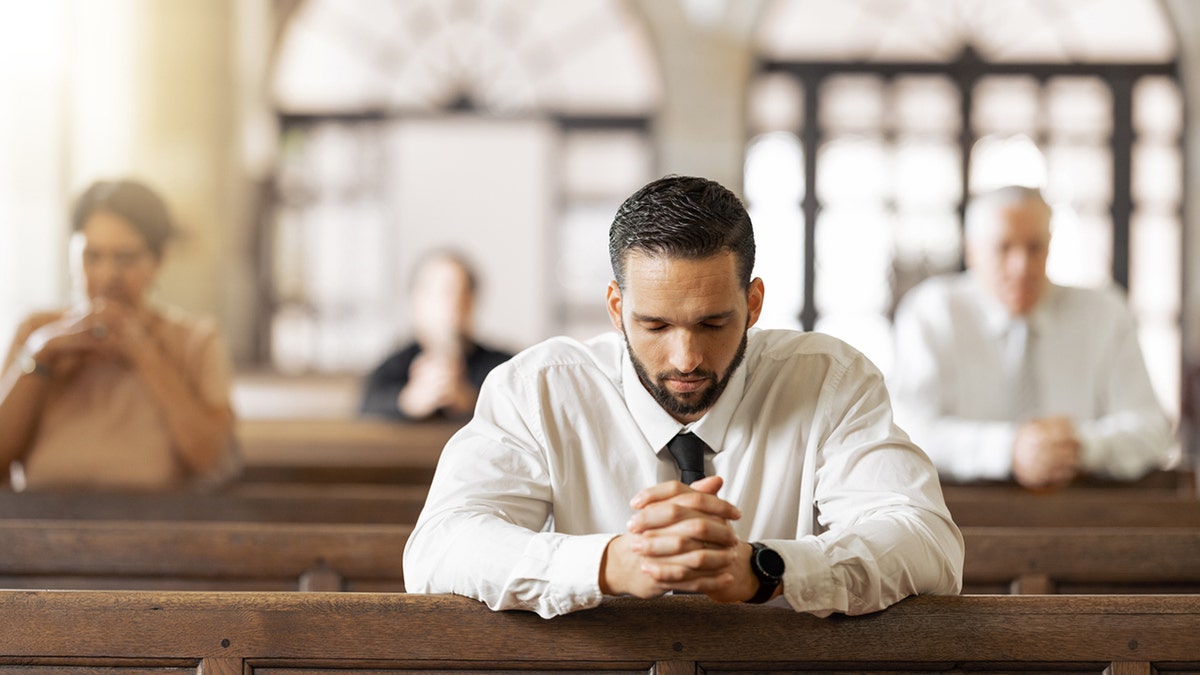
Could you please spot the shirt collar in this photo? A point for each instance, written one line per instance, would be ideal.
(659, 427)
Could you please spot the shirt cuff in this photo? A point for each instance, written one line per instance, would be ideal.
(574, 574)
(809, 584)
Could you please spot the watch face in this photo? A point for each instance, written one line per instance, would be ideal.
(770, 562)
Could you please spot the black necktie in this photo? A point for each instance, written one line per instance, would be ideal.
(688, 452)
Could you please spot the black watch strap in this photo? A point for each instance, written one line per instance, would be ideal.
(768, 566)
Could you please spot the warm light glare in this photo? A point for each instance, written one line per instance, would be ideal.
(32, 67)
(103, 87)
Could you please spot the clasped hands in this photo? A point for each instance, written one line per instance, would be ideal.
(437, 381)
(100, 329)
(680, 539)
(1046, 453)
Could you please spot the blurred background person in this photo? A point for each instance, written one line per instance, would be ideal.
(1001, 374)
(116, 392)
(438, 374)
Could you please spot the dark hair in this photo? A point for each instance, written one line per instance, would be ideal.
(131, 200)
(682, 217)
(449, 254)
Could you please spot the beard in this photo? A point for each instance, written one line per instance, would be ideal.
(691, 403)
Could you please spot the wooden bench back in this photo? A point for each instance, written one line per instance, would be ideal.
(1081, 560)
(1098, 508)
(186, 555)
(285, 633)
(341, 451)
(279, 556)
(246, 503)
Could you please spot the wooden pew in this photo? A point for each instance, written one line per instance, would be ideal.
(340, 451)
(1179, 482)
(1160, 499)
(242, 503)
(310, 634)
(1089, 508)
(1081, 560)
(99, 554)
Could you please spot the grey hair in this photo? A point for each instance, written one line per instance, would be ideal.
(984, 208)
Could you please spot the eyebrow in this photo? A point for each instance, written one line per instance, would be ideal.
(645, 318)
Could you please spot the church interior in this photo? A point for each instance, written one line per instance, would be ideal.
(314, 152)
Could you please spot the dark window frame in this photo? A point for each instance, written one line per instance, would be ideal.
(965, 72)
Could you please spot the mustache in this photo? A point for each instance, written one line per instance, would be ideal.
(679, 374)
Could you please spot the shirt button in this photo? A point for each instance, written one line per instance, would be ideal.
(807, 594)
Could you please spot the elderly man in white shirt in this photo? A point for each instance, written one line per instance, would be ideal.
(686, 452)
(1001, 374)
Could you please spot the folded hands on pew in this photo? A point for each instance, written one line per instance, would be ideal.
(680, 539)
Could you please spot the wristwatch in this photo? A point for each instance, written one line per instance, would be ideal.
(767, 565)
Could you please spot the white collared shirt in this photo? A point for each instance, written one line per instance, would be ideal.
(950, 383)
(529, 493)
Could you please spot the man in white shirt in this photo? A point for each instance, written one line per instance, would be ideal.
(560, 490)
(1001, 374)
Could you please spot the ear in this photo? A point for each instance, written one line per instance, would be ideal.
(754, 301)
(613, 303)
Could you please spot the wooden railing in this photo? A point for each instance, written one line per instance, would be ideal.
(86, 554)
(286, 633)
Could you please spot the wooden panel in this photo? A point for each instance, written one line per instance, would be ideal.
(1180, 482)
(263, 503)
(491, 669)
(346, 451)
(99, 670)
(903, 668)
(1103, 556)
(173, 552)
(274, 556)
(1110, 508)
(407, 632)
(285, 440)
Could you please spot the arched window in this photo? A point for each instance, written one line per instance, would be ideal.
(507, 129)
(892, 113)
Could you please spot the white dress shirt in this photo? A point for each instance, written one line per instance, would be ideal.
(529, 493)
(953, 387)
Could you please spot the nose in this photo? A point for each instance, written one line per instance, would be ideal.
(1017, 262)
(686, 352)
